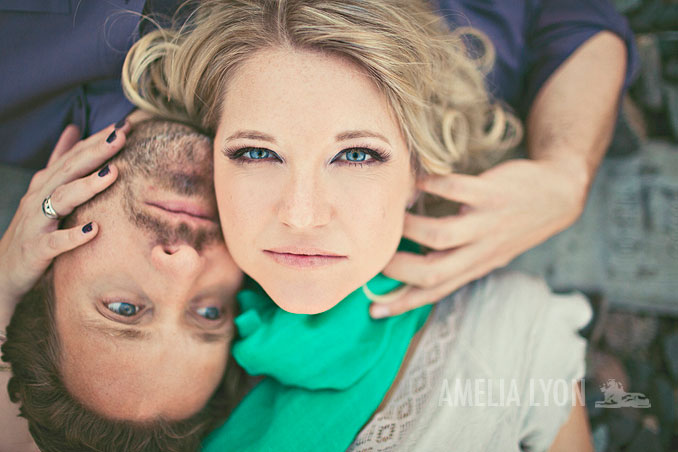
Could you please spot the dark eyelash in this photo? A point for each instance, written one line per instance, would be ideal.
(236, 153)
(138, 307)
(143, 311)
(376, 154)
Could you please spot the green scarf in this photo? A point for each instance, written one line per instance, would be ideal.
(326, 373)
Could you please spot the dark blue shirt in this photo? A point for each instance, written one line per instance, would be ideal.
(60, 60)
(533, 37)
(60, 63)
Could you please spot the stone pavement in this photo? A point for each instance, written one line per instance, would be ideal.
(625, 245)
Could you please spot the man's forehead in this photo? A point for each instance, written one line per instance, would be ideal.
(128, 378)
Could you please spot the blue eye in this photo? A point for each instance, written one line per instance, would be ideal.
(209, 312)
(355, 155)
(258, 154)
(251, 155)
(123, 309)
(360, 156)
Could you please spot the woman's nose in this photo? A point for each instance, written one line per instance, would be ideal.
(304, 204)
(180, 261)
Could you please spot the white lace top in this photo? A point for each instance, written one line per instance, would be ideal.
(493, 370)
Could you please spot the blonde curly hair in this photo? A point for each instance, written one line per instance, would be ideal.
(435, 88)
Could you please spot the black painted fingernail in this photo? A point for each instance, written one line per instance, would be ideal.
(111, 137)
(120, 124)
(87, 228)
(105, 170)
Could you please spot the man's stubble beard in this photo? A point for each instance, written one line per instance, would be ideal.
(178, 167)
(164, 232)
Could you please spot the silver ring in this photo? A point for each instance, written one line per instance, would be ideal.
(48, 210)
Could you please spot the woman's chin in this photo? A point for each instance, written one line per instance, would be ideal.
(306, 301)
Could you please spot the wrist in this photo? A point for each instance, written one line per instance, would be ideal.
(570, 182)
(9, 297)
(6, 311)
(6, 285)
(576, 169)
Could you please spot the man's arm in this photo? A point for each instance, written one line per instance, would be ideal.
(572, 119)
(518, 204)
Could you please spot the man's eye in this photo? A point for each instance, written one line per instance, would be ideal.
(123, 309)
(209, 312)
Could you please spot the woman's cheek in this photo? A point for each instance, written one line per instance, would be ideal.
(236, 205)
(241, 209)
(379, 226)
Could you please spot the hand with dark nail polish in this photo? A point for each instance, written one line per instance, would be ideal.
(32, 240)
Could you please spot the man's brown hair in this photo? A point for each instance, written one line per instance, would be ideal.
(59, 423)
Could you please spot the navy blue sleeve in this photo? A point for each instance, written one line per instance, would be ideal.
(60, 63)
(59, 66)
(558, 27)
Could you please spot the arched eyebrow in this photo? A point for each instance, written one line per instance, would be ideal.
(137, 334)
(123, 333)
(343, 136)
(351, 134)
(213, 337)
(252, 135)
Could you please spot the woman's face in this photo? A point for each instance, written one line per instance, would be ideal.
(312, 176)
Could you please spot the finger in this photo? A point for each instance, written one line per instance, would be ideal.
(124, 125)
(69, 137)
(417, 296)
(138, 116)
(412, 299)
(419, 270)
(456, 187)
(62, 240)
(69, 196)
(437, 267)
(379, 309)
(446, 232)
(89, 155)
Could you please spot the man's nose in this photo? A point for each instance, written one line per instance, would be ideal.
(179, 261)
(304, 203)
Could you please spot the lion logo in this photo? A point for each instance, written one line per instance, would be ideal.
(616, 397)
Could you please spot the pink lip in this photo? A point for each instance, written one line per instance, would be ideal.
(304, 257)
(183, 209)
